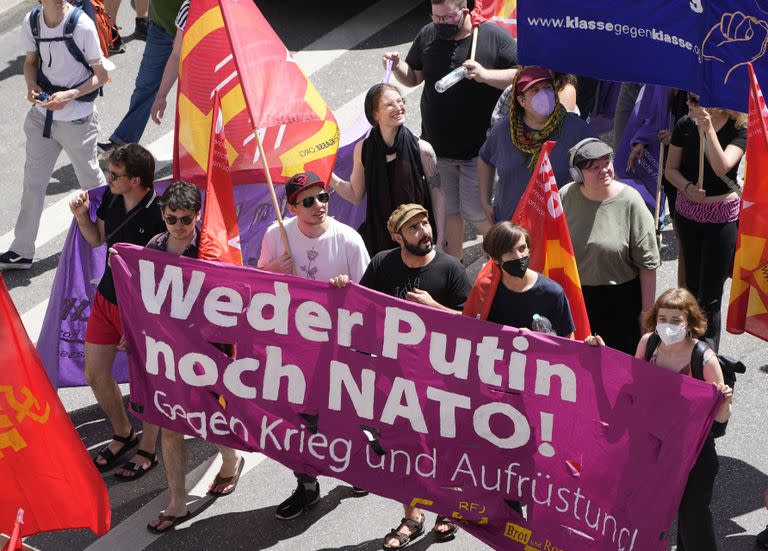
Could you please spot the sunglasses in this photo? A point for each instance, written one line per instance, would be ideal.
(185, 220)
(308, 202)
(114, 175)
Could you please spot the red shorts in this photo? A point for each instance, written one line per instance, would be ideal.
(104, 325)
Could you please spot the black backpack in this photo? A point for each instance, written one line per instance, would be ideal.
(66, 37)
(728, 365)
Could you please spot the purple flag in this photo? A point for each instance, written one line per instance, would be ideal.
(650, 114)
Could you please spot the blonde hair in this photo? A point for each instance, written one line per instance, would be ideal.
(739, 118)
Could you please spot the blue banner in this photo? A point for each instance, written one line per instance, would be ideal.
(702, 47)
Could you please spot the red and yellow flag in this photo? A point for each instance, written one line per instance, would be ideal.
(501, 12)
(44, 467)
(220, 237)
(541, 213)
(229, 48)
(748, 308)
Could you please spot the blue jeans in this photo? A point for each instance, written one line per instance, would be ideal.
(156, 54)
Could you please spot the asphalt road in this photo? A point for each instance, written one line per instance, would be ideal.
(339, 45)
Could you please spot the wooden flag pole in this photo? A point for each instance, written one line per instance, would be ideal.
(702, 146)
(272, 194)
(473, 51)
(659, 180)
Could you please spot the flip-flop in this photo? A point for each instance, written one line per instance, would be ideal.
(168, 518)
(137, 470)
(113, 458)
(219, 480)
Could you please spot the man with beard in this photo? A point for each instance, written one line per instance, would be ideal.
(417, 272)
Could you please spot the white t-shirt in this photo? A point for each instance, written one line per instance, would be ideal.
(64, 69)
(340, 250)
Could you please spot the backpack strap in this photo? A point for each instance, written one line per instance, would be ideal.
(651, 346)
(697, 359)
(34, 24)
(69, 40)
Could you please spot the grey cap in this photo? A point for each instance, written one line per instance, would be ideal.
(589, 150)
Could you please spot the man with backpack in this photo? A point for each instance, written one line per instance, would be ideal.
(63, 70)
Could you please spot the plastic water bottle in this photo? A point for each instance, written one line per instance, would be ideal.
(450, 79)
(542, 325)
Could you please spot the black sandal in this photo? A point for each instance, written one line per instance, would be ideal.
(404, 539)
(137, 470)
(445, 535)
(111, 458)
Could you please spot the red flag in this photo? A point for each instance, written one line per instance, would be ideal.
(748, 307)
(220, 237)
(44, 467)
(501, 12)
(229, 47)
(541, 213)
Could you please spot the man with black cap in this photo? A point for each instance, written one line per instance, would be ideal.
(321, 249)
(455, 121)
(417, 272)
(513, 145)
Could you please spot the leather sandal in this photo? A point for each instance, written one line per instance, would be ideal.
(445, 535)
(113, 458)
(404, 539)
(137, 469)
(170, 519)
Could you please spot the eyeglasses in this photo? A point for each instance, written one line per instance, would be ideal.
(308, 202)
(394, 104)
(185, 220)
(114, 175)
(447, 18)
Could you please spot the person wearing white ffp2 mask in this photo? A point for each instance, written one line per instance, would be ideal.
(674, 324)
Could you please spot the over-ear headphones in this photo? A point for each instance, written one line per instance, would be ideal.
(575, 171)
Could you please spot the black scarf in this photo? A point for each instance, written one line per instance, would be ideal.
(407, 185)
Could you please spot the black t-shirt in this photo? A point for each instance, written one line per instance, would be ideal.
(456, 121)
(145, 221)
(444, 278)
(686, 136)
(545, 298)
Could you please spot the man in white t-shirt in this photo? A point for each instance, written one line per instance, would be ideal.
(66, 120)
(322, 249)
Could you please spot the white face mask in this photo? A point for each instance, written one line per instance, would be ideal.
(670, 333)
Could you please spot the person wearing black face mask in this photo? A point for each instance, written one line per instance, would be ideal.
(455, 121)
(507, 292)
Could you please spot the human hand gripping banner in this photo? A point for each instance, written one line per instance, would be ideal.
(702, 47)
(459, 416)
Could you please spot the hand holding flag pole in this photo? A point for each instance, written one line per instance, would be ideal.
(659, 180)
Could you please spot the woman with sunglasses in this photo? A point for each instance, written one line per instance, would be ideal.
(707, 218)
(391, 167)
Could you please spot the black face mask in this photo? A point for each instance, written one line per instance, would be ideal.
(516, 267)
(447, 31)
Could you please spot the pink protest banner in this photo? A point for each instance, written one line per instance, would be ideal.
(456, 415)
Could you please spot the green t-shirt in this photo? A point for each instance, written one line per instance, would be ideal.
(612, 239)
(163, 13)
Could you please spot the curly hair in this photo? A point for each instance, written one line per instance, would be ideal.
(678, 299)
